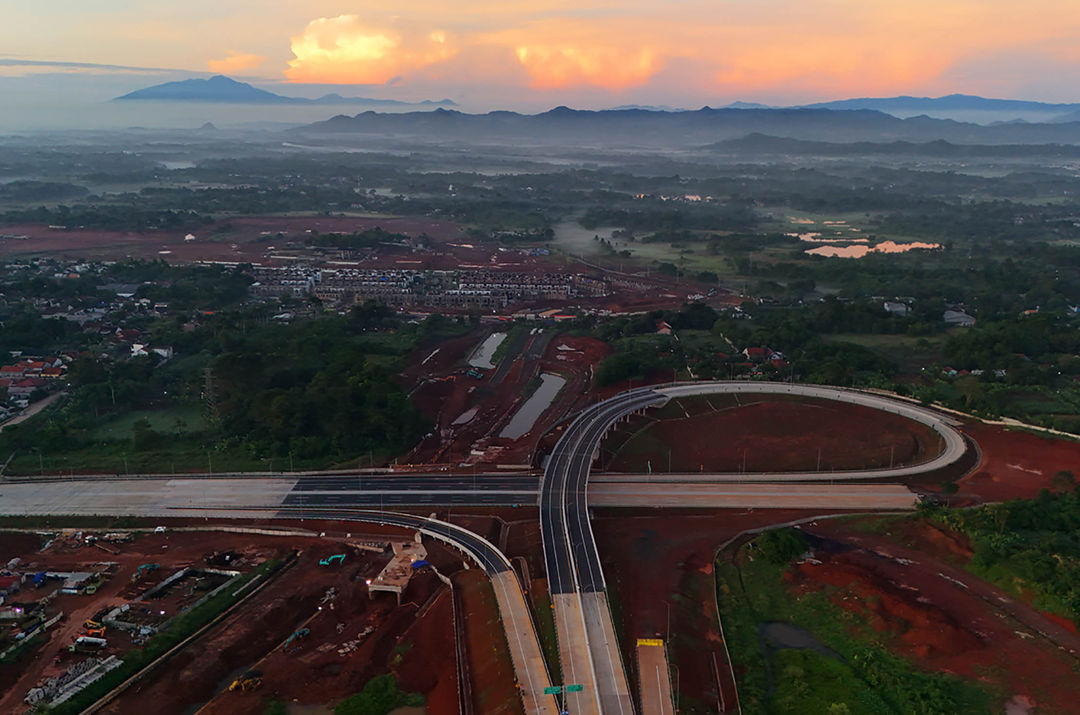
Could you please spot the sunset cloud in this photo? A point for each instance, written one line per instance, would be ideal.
(344, 50)
(559, 66)
(235, 62)
(514, 53)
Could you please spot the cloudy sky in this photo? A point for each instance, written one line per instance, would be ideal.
(530, 54)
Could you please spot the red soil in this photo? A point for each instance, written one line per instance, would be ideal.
(915, 600)
(170, 245)
(776, 435)
(314, 672)
(492, 672)
(1015, 464)
(445, 393)
(651, 561)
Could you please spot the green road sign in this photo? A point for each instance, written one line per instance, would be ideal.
(574, 688)
(553, 690)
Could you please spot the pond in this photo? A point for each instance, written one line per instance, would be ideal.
(481, 357)
(526, 416)
(861, 250)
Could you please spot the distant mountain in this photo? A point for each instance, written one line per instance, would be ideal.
(225, 90)
(761, 144)
(952, 102)
(1069, 117)
(747, 105)
(690, 129)
(648, 108)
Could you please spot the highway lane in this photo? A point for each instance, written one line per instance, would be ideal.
(406, 481)
(588, 649)
(753, 496)
(574, 569)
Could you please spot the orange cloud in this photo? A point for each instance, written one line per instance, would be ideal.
(343, 50)
(555, 66)
(235, 62)
(700, 48)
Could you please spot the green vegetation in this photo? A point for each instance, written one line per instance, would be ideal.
(856, 674)
(1029, 547)
(242, 393)
(276, 707)
(780, 546)
(180, 628)
(544, 614)
(379, 696)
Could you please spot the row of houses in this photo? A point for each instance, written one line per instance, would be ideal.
(484, 289)
(49, 368)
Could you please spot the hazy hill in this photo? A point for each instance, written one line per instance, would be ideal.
(761, 144)
(637, 127)
(223, 89)
(948, 102)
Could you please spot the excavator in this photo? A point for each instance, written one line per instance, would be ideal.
(247, 682)
(329, 561)
(302, 633)
(143, 569)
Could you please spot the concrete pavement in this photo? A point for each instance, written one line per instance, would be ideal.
(753, 496)
(654, 678)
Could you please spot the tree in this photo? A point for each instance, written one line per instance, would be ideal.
(949, 489)
(1063, 480)
(779, 546)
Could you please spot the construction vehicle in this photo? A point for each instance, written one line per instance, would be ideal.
(91, 623)
(95, 632)
(92, 586)
(473, 372)
(143, 569)
(87, 644)
(302, 633)
(329, 561)
(247, 682)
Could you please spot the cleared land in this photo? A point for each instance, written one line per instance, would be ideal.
(864, 609)
(732, 433)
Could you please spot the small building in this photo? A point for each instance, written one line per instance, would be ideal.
(896, 308)
(958, 318)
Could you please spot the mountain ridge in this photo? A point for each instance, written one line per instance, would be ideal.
(222, 89)
(693, 128)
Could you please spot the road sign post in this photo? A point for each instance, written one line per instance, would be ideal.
(553, 690)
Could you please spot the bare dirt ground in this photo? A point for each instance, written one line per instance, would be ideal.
(481, 407)
(762, 434)
(659, 567)
(171, 551)
(1015, 464)
(494, 689)
(352, 637)
(928, 609)
(243, 239)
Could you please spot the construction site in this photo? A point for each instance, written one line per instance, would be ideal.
(339, 611)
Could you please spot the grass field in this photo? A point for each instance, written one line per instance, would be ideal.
(182, 418)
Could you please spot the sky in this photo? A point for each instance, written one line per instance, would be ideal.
(536, 54)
